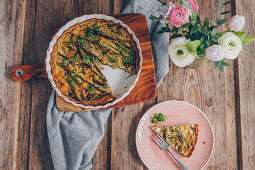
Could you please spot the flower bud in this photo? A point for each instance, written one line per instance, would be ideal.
(194, 5)
(215, 53)
(236, 23)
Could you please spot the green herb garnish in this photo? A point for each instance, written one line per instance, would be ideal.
(73, 74)
(66, 61)
(112, 60)
(68, 80)
(121, 50)
(86, 59)
(106, 51)
(118, 27)
(74, 58)
(82, 71)
(82, 41)
(96, 27)
(158, 118)
(106, 85)
(91, 88)
(71, 43)
(71, 82)
(74, 83)
(88, 31)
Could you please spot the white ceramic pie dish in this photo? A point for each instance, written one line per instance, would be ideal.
(120, 82)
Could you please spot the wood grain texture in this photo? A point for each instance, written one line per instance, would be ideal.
(28, 72)
(246, 77)
(12, 121)
(145, 88)
(213, 93)
(227, 99)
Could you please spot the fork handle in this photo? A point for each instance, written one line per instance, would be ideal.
(177, 160)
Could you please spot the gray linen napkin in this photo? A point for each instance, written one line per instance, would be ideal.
(74, 136)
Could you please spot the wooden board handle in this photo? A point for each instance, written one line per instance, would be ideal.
(28, 72)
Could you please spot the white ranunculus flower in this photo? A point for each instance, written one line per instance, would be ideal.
(178, 53)
(236, 23)
(215, 53)
(232, 45)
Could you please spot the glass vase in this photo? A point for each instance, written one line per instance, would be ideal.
(196, 63)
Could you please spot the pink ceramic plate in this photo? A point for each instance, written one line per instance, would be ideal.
(178, 113)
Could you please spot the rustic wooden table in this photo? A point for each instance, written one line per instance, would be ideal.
(227, 99)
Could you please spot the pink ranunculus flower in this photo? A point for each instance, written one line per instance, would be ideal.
(215, 53)
(194, 5)
(179, 15)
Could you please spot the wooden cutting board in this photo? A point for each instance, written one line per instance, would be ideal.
(145, 88)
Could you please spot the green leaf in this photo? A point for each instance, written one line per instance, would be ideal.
(175, 35)
(194, 29)
(216, 9)
(213, 22)
(176, 29)
(198, 19)
(224, 63)
(161, 31)
(216, 63)
(240, 34)
(220, 68)
(214, 31)
(192, 47)
(206, 22)
(220, 22)
(248, 40)
(218, 35)
(185, 25)
(164, 29)
(154, 18)
(227, 3)
(226, 12)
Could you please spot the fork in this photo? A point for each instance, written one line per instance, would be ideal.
(164, 146)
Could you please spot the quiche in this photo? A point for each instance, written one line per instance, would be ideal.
(80, 52)
(183, 138)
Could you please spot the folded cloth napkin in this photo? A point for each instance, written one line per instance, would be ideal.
(74, 136)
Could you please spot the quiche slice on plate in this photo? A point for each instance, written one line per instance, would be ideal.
(182, 138)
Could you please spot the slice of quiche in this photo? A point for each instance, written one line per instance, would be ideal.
(181, 137)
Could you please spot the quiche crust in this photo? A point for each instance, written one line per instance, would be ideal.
(182, 138)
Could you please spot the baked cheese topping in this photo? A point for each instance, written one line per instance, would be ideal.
(181, 137)
(79, 53)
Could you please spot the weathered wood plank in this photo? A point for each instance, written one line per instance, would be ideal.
(13, 147)
(213, 93)
(25, 104)
(246, 76)
(123, 148)
(124, 122)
